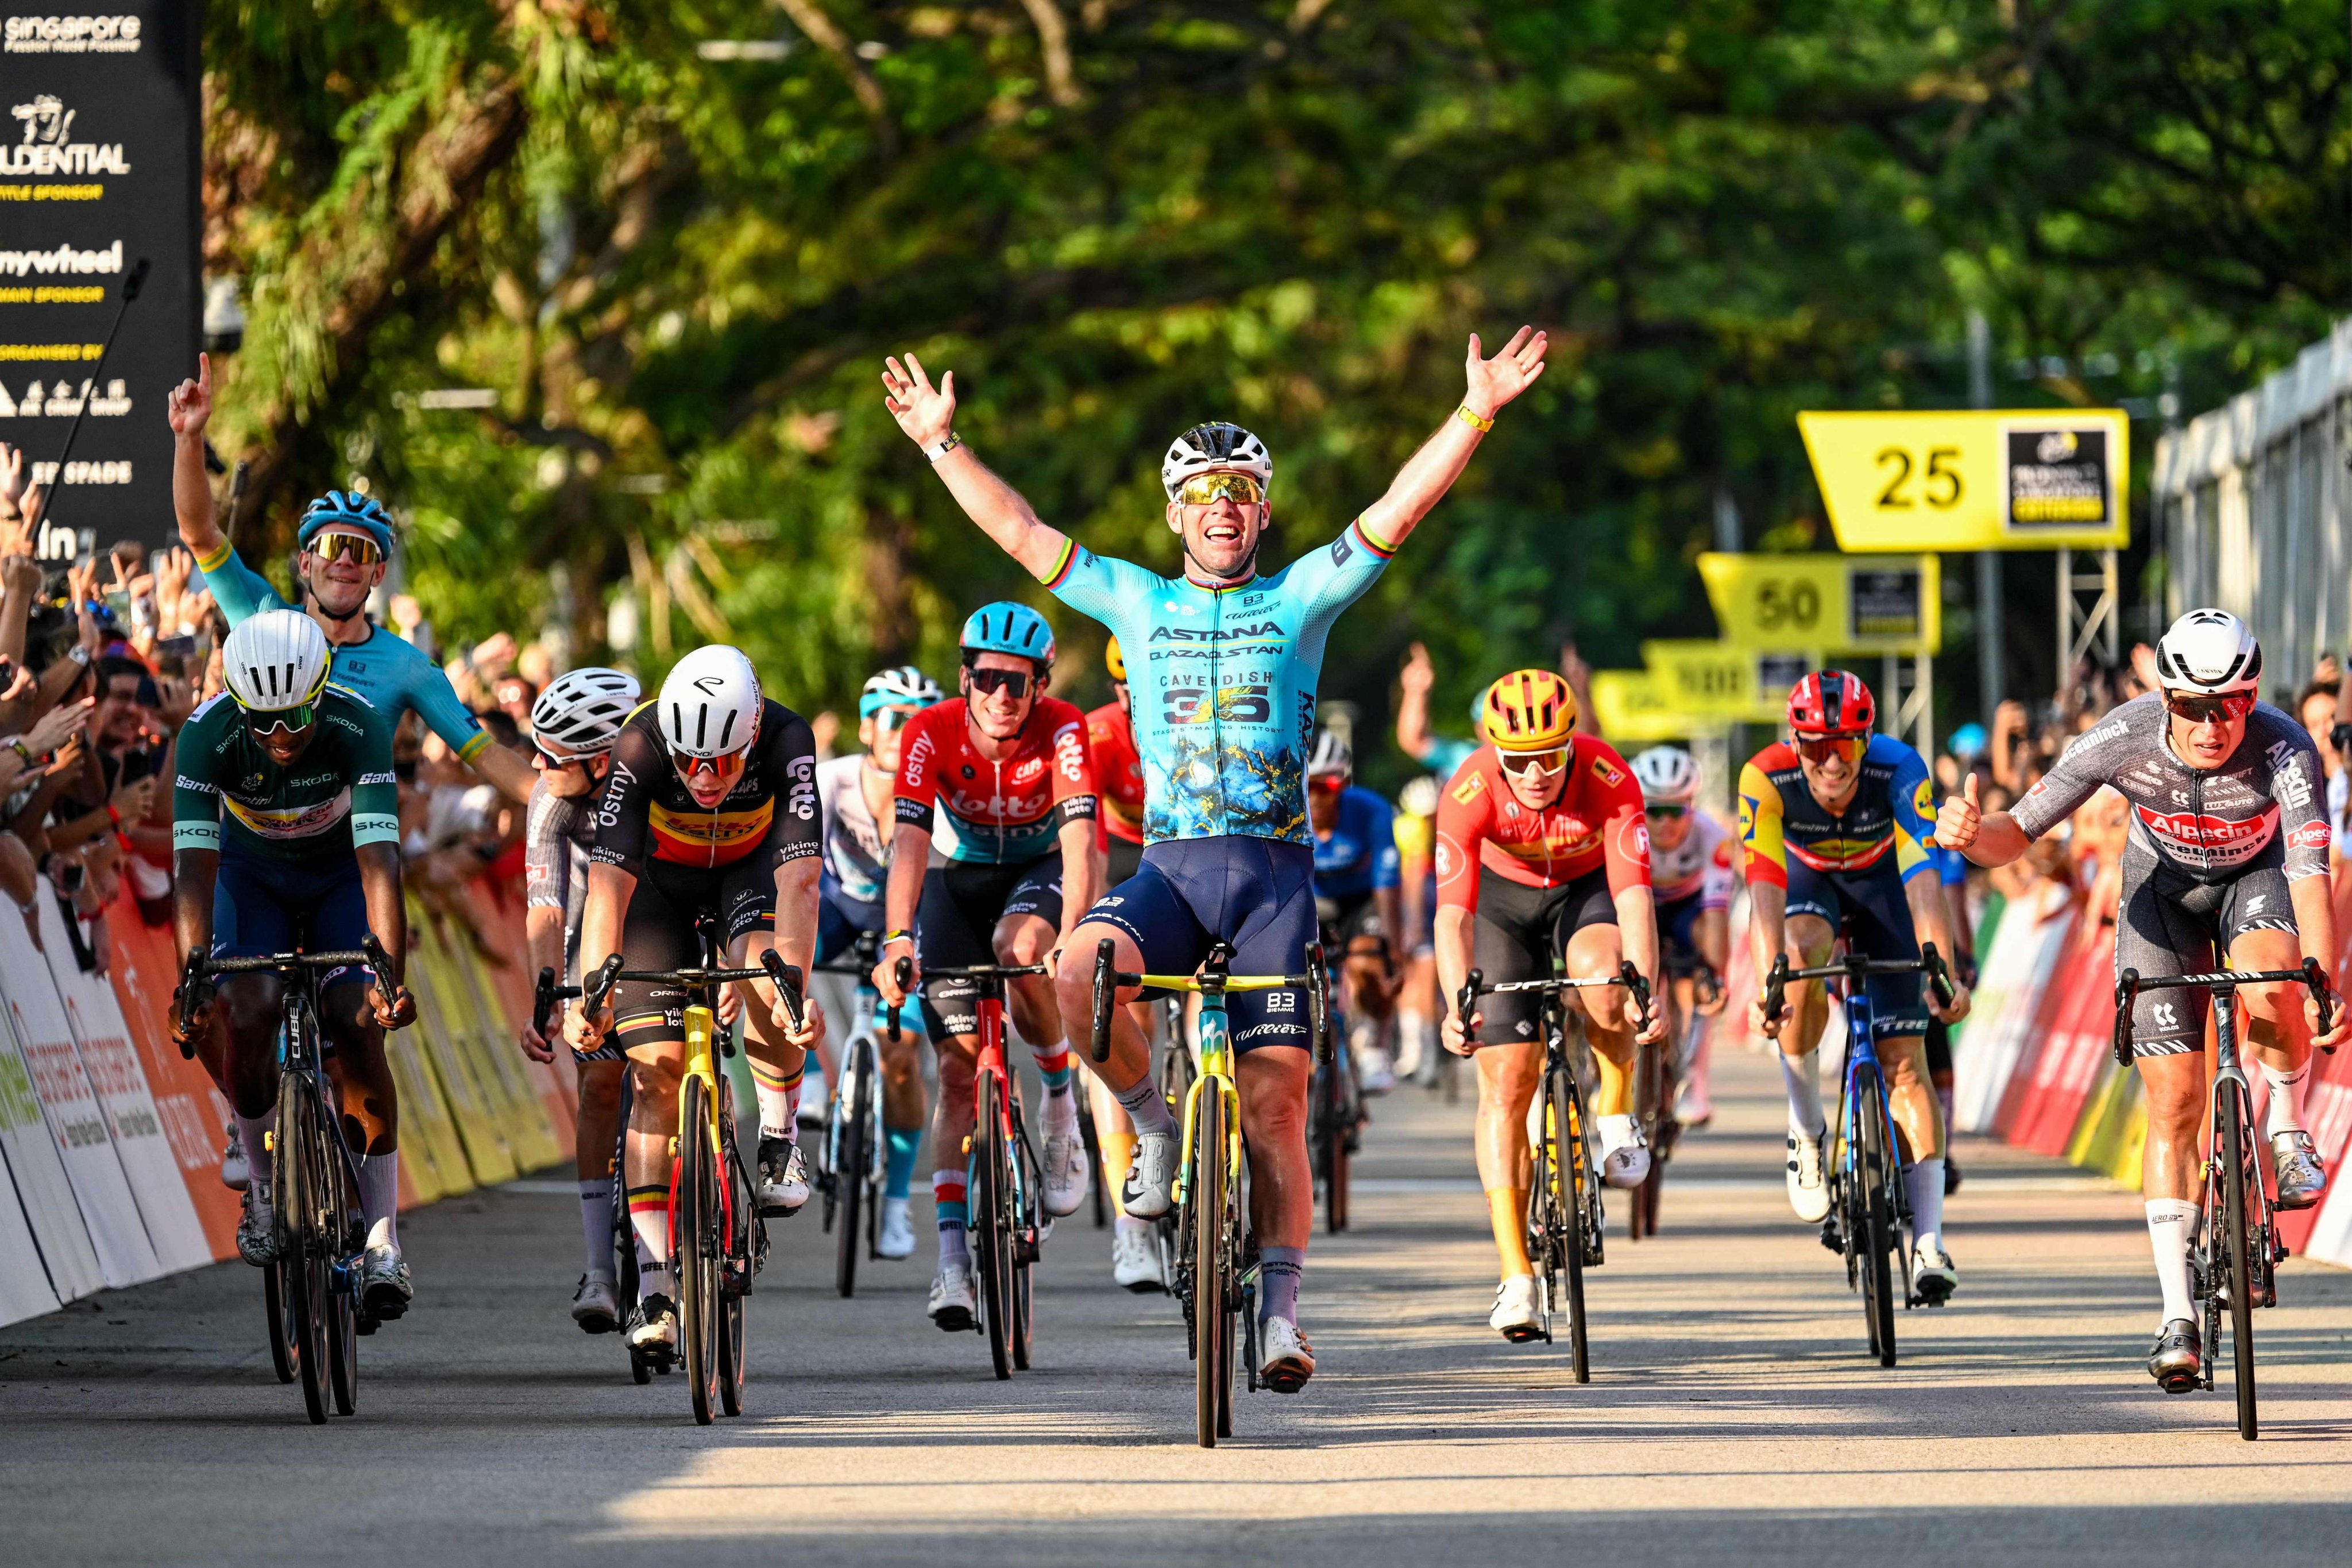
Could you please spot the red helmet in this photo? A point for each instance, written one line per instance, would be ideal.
(1831, 703)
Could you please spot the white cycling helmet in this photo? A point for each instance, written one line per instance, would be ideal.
(276, 660)
(1667, 774)
(709, 705)
(582, 711)
(1419, 797)
(1331, 757)
(2209, 652)
(901, 686)
(1217, 448)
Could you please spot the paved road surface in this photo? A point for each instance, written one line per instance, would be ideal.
(1732, 1416)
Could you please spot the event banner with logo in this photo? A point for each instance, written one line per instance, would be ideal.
(98, 165)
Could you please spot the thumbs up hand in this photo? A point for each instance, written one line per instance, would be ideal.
(1958, 819)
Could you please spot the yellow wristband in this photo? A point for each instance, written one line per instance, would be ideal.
(1472, 420)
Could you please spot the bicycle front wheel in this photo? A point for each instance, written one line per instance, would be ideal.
(1213, 1283)
(696, 1222)
(856, 1106)
(2237, 1255)
(1872, 1222)
(1571, 1176)
(276, 1301)
(303, 1237)
(992, 1232)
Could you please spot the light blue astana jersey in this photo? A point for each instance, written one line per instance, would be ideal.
(1223, 682)
(392, 673)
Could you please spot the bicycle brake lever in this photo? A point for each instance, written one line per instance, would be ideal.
(2126, 992)
(1467, 999)
(2321, 991)
(1632, 978)
(543, 1002)
(787, 979)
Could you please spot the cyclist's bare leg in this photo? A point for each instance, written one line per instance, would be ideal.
(598, 1122)
(2174, 1088)
(1807, 1015)
(1272, 1084)
(1594, 951)
(1367, 976)
(1021, 940)
(777, 1064)
(951, 1123)
(655, 1068)
(902, 1077)
(2275, 1032)
(1508, 1075)
(1911, 1095)
(371, 1104)
(1128, 1073)
(240, 1052)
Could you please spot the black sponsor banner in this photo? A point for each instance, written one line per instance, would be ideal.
(99, 166)
(2057, 478)
(1885, 603)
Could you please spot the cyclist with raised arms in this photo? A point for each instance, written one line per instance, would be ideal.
(1834, 826)
(2226, 855)
(1224, 663)
(1359, 902)
(995, 856)
(286, 835)
(1555, 817)
(854, 795)
(1691, 874)
(573, 724)
(710, 811)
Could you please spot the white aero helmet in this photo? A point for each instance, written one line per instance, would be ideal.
(1667, 775)
(276, 660)
(1332, 756)
(709, 705)
(2209, 652)
(1215, 447)
(582, 711)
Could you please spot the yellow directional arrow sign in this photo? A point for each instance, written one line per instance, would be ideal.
(1724, 681)
(1632, 712)
(1974, 479)
(1801, 604)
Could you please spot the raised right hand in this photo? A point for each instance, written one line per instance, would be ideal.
(189, 405)
(926, 413)
(1958, 819)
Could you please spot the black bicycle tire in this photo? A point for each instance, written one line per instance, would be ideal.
(1211, 1287)
(342, 1307)
(294, 1188)
(849, 1178)
(1090, 1138)
(1876, 1237)
(275, 1303)
(1022, 1225)
(2230, 1107)
(1565, 1127)
(697, 1261)
(992, 1246)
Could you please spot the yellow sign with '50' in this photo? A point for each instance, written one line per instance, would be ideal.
(1974, 479)
(1876, 604)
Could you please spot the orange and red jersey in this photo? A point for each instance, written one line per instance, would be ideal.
(1595, 823)
(1001, 811)
(1118, 772)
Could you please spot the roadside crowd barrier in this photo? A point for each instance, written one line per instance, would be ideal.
(110, 1140)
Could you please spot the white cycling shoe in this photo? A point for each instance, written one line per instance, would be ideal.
(1809, 1189)
(653, 1326)
(1067, 1170)
(1624, 1158)
(1135, 1260)
(1151, 1176)
(1373, 1070)
(783, 1176)
(896, 1236)
(1288, 1360)
(953, 1306)
(816, 1098)
(256, 1227)
(1933, 1278)
(1516, 1316)
(236, 1170)
(596, 1305)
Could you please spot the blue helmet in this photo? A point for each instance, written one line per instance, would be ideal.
(347, 509)
(1007, 628)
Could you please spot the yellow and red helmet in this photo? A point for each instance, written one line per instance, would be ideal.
(1529, 711)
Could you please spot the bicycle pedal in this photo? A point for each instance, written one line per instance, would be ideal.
(1832, 1238)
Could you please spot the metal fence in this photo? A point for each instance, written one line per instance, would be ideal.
(2250, 504)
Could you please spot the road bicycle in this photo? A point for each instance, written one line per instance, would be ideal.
(1869, 1223)
(853, 1159)
(2235, 1253)
(310, 1292)
(1335, 1116)
(1002, 1174)
(1215, 1262)
(1567, 1225)
(718, 1242)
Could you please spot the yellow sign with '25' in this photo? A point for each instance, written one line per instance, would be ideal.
(1974, 479)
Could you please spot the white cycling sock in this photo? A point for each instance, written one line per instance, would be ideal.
(1801, 1075)
(1146, 1107)
(380, 1197)
(596, 1223)
(2170, 1223)
(2286, 1098)
(1923, 1183)
(253, 1131)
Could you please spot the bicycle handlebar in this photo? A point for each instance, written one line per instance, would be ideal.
(195, 991)
(1474, 986)
(1109, 978)
(2128, 985)
(1857, 968)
